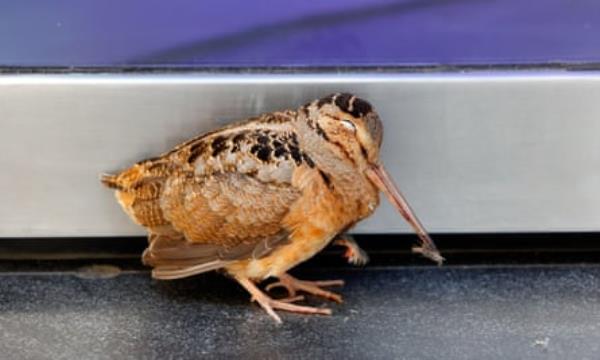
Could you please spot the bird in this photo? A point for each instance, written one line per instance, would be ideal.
(255, 198)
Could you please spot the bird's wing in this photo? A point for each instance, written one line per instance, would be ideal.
(224, 218)
(229, 201)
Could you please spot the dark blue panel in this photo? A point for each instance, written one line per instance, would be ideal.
(298, 32)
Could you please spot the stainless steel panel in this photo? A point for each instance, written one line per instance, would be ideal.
(472, 152)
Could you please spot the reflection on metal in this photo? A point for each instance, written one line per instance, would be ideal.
(476, 152)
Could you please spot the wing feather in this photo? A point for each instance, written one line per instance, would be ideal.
(226, 207)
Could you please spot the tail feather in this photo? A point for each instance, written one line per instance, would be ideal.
(171, 273)
(111, 181)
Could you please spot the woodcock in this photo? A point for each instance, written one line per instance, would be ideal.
(258, 197)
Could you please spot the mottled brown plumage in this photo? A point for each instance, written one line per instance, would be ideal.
(258, 197)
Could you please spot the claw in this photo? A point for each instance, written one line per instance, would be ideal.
(279, 284)
(292, 299)
(294, 285)
(354, 254)
(270, 305)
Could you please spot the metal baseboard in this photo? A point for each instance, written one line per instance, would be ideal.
(473, 152)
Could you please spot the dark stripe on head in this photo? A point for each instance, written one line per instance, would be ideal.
(326, 100)
(348, 103)
(343, 102)
(360, 108)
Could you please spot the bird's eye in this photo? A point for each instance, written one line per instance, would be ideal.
(348, 125)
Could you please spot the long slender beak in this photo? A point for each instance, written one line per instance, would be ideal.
(381, 179)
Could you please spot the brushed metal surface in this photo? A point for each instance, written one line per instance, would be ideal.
(473, 152)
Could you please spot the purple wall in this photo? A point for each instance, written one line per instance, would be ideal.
(297, 32)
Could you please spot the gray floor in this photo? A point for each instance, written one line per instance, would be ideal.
(402, 313)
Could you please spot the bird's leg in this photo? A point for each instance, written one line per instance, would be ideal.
(312, 287)
(270, 305)
(354, 254)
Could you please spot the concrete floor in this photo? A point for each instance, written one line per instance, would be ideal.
(532, 312)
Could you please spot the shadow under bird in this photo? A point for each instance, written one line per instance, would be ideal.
(258, 197)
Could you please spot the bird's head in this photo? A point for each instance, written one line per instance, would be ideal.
(350, 125)
(353, 129)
